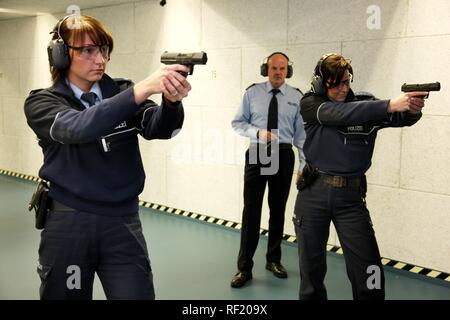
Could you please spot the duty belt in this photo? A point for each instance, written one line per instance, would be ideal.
(58, 206)
(339, 181)
(263, 145)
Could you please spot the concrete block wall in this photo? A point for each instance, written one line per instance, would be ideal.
(201, 169)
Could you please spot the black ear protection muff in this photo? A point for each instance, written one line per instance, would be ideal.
(317, 85)
(57, 49)
(265, 66)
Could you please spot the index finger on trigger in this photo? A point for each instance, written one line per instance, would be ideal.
(417, 93)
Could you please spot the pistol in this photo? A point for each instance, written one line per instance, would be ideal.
(434, 86)
(187, 59)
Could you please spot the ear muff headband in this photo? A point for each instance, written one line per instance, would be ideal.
(57, 49)
(265, 67)
(317, 85)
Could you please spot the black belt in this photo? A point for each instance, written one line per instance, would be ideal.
(339, 181)
(285, 146)
(280, 145)
(58, 206)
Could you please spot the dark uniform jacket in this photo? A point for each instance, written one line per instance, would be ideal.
(340, 137)
(91, 156)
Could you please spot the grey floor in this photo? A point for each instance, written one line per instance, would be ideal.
(191, 260)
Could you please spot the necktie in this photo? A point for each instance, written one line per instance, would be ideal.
(89, 98)
(272, 119)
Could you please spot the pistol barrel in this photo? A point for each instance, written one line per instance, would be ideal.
(434, 86)
(184, 58)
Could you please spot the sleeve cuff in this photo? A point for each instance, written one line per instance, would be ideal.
(170, 104)
(253, 132)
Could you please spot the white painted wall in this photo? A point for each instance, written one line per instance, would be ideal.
(201, 169)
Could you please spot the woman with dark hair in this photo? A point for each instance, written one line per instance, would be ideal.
(341, 128)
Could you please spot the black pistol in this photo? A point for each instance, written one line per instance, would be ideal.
(434, 86)
(187, 59)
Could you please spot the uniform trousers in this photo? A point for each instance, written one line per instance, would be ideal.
(316, 206)
(254, 187)
(75, 245)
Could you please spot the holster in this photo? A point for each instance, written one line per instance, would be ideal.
(40, 202)
(309, 175)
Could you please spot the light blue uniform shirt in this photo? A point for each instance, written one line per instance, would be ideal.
(78, 92)
(253, 113)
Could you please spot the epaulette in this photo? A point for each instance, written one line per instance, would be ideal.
(299, 91)
(310, 93)
(364, 95)
(123, 83)
(35, 91)
(250, 86)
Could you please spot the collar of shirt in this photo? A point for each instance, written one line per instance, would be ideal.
(269, 88)
(78, 92)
